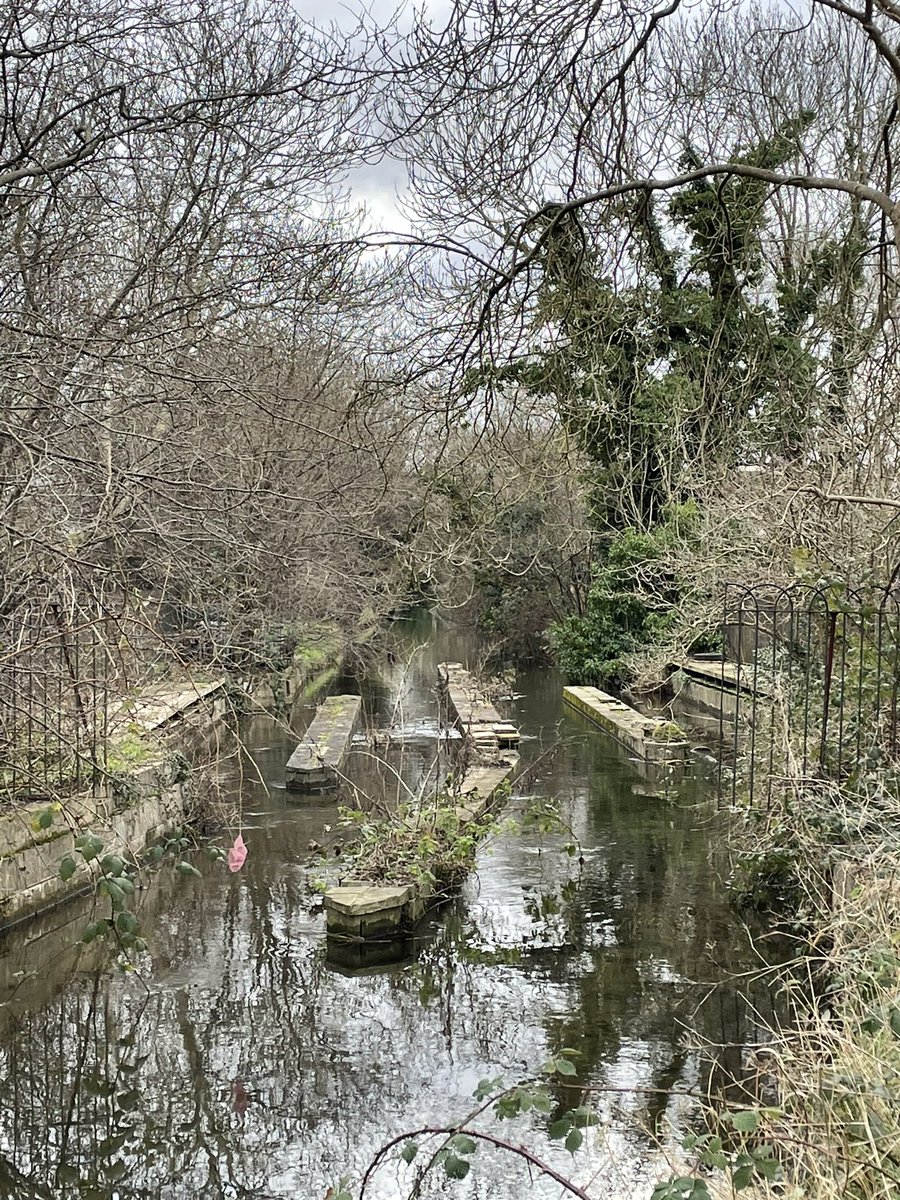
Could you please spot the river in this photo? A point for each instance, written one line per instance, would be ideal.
(241, 1060)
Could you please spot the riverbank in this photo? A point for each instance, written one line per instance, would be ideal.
(156, 740)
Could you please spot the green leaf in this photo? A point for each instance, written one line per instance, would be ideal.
(894, 1020)
(685, 1187)
(560, 1128)
(45, 819)
(741, 1177)
(485, 1088)
(564, 1067)
(88, 846)
(94, 930)
(767, 1166)
(111, 864)
(94, 1085)
(583, 1117)
(409, 1152)
(126, 922)
(456, 1168)
(574, 1140)
(67, 1174)
(128, 1101)
(463, 1143)
(67, 868)
(185, 868)
(746, 1121)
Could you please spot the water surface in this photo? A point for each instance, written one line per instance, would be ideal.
(244, 1060)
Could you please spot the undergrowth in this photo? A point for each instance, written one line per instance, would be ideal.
(833, 853)
(431, 840)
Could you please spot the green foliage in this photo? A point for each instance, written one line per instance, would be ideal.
(453, 1155)
(703, 356)
(735, 1150)
(429, 841)
(129, 752)
(113, 884)
(630, 603)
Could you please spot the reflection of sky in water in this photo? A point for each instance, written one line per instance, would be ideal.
(264, 1070)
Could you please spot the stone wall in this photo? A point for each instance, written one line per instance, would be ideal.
(155, 798)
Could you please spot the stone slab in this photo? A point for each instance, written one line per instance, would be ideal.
(366, 910)
(158, 704)
(485, 780)
(359, 900)
(733, 676)
(472, 710)
(630, 728)
(321, 754)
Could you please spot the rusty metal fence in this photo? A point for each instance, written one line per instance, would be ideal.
(812, 679)
(62, 668)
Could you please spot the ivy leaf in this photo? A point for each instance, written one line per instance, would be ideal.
(560, 1128)
(574, 1140)
(456, 1168)
(409, 1152)
(463, 1143)
(67, 868)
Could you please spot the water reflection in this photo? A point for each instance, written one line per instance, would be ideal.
(247, 1062)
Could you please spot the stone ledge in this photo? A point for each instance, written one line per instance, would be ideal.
(632, 729)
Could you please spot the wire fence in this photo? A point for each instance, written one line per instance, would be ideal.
(812, 681)
(62, 671)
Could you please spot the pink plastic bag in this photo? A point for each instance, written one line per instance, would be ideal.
(237, 854)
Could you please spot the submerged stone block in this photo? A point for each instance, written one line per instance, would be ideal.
(366, 910)
(322, 752)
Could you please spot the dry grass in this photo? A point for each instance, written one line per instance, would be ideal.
(837, 1060)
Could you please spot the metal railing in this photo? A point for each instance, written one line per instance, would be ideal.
(62, 667)
(815, 672)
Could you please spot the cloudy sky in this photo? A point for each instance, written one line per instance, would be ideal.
(378, 186)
